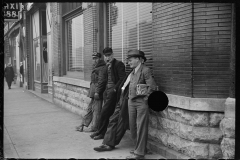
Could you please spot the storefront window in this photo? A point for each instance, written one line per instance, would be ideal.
(130, 27)
(75, 44)
(37, 64)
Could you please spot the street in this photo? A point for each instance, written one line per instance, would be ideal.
(35, 128)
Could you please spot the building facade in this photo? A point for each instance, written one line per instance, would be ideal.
(189, 46)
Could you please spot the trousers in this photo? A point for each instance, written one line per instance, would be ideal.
(107, 110)
(115, 130)
(93, 113)
(138, 123)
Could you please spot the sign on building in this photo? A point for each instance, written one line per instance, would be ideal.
(11, 11)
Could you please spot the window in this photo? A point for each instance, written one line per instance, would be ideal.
(75, 44)
(49, 43)
(79, 40)
(36, 47)
(130, 27)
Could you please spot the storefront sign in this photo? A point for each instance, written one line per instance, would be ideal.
(11, 11)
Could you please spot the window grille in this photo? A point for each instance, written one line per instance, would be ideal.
(130, 27)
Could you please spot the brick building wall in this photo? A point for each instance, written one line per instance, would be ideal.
(56, 47)
(211, 49)
(192, 47)
(172, 48)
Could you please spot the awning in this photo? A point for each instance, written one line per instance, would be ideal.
(16, 26)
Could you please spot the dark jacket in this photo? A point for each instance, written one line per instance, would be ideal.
(124, 104)
(21, 69)
(9, 74)
(118, 73)
(96, 78)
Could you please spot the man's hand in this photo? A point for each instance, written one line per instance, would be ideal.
(96, 96)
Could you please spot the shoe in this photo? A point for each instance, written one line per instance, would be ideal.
(94, 134)
(103, 147)
(79, 128)
(147, 152)
(90, 130)
(135, 156)
(98, 137)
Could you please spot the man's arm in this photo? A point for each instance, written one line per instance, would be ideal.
(102, 80)
(148, 76)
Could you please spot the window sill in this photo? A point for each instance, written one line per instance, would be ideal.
(72, 81)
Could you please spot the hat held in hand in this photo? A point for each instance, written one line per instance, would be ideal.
(158, 101)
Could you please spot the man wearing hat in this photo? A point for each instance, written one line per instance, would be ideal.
(95, 105)
(138, 103)
(114, 73)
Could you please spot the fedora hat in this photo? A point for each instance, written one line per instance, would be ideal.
(158, 101)
(136, 53)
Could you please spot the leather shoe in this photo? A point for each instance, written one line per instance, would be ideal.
(146, 152)
(103, 147)
(94, 134)
(98, 137)
(135, 156)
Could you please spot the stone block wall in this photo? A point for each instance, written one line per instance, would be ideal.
(227, 127)
(193, 133)
(71, 97)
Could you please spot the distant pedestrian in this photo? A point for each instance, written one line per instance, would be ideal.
(9, 75)
(141, 85)
(114, 73)
(95, 105)
(21, 71)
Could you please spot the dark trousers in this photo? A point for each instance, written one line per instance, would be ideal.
(9, 82)
(107, 110)
(115, 129)
(93, 113)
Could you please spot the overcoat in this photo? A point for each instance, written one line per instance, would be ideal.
(117, 71)
(124, 104)
(96, 78)
(9, 74)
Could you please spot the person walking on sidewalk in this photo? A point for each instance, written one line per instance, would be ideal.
(21, 72)
(115, 73)
(138, 108)
(9, 75)
(95, 105)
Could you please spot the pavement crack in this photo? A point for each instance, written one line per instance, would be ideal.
(13, 144)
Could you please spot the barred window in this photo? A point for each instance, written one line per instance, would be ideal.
(80, 39)
(130, 27)
(75, 44)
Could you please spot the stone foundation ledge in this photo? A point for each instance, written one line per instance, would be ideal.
(183, 146)
(192, 118)
(70, 107)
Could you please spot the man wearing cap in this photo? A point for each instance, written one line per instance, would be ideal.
(138, 103)
(114, 73)
(95, 105)
(119, 121)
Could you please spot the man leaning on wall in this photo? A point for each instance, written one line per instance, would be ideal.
(95, 105)
(138, 109)
(114, 73)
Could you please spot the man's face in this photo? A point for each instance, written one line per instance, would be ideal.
(95, 60)
(108, 57)
(133, 62)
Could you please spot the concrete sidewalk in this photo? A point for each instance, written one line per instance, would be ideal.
(35, 128)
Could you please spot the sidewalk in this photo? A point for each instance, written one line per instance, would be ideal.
(35, 128)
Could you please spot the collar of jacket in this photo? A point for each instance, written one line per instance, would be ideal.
(100, 63)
